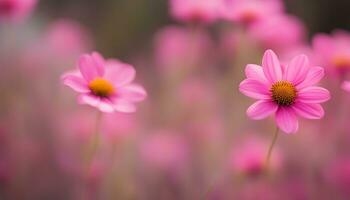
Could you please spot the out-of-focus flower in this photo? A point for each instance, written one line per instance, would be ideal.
(279, 33)
(248, 12)
(249, 157)
(178, 48)
(206, 11)
(165, 151)
(333, 51)
(288, 91)
(15, 10)
(346, 86)
(105, 85)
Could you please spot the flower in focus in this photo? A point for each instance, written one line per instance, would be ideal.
(288, 91)
(195, 10)
(247, 12)
(333, 51)
(105, 85)
(249, 158)
(279, 33)
(15, 10)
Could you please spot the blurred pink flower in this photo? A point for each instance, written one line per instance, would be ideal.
(164, 150)
(177, 48)
(288, 91)
(16, 10)
(105, 85)
(333, 51)
(247, 12)
(205, 11)
(279, 32)
(249, 157)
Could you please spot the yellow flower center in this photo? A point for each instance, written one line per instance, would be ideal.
(101, 87)
(342, 62)
(283, 93)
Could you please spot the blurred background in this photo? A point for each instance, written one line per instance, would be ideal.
(191, 138)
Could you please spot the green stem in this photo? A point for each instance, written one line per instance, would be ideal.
(269, 153)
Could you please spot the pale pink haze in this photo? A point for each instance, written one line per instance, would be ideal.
(346, 86)
(201, 11)
(248, 12)
(249, 157)
(106, 85)
(281, 32)
(15, 10)
(288, 91)
(333, 51)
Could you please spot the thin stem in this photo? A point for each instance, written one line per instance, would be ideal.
(269, 153)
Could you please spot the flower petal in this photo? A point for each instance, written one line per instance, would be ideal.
(100, 63)
(106, 105)
(255, 72)
(346, 86)
(119, 73)
(287, 120)
(89, 99)
(309, 111)
(88, 68)
(124, 106)
(271, 67)
(261, 109)
(314, 76)
(76, 83)
(254, 89)
(132, 92)
(297, 69)
(313, 95)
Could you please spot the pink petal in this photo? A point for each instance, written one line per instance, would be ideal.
(100, 63)
(271, 66)
(314, 76)
(313, 95)
(119, 73)
(255, 72)
(297, 69)
(106, 105)
(76, 83)
(254, 89)
(89, 68)
(309, 111)
(346, 86)
(261, 109)
(89, 99)
(124, 106)
(287, 120)
(132, 93)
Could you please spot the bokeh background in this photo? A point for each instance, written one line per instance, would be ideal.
(191, 138)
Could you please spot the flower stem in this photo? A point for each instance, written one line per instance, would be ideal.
(269, 153)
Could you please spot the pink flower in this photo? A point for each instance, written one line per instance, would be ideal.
(249, 157)
(279, 33)
(195, 10)
(105, 85)
(333, 51)
(288, 91)
(14, 10)
(248, 12)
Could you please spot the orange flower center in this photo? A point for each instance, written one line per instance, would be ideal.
(342, 62)
(283, 93)
(101, 87)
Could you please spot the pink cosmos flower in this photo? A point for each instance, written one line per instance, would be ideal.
(195, 10)
(333, 51)
(105, 85)
(14, 10)
(288, 91)
(279, 33)
(248, 12)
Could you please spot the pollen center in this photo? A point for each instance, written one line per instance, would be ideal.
(283, 93)
(101, 87)
(342, 62)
